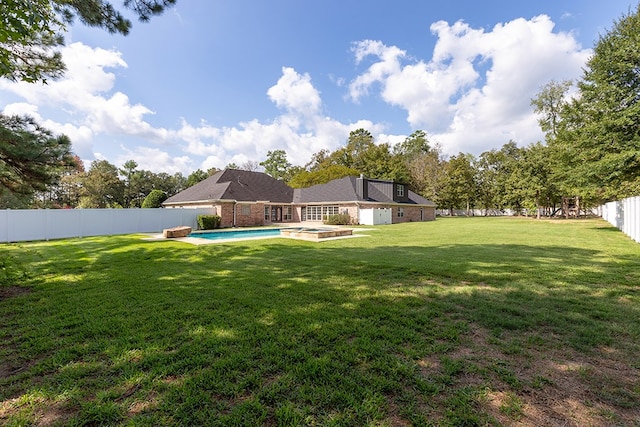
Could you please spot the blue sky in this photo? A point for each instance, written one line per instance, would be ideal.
(212, 82)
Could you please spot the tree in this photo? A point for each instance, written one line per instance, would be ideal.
(364, 156)
(154, 199)
(128, 171)
(510, 194)
(31, 31)
(65, 193)
(352, 155)
(102, 187)
(535, 178)
(414, 145)
(250, 165)
(31, 157)
(276, 164)
(426, 173)
(490, 178)
(549, 103)
(459, 188)
(306, 178)
(196, 176)
(410, 156)
(319, 160)
(598, 138)
(28, 39)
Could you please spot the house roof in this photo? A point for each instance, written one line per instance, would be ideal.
(338, 190)
(234, 184)
(344, 190)
(240, 185)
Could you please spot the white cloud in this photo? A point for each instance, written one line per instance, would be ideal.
(156, 160)
(388, 65)
(474, 94)
(295, 93)
(105, 124)
(85, 94)
(300, 130)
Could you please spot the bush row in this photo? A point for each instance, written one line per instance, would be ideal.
(339, 219)
(208, 222)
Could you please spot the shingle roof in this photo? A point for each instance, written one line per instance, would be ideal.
(417, 199)
(338, 190)
(234, 184)
(239, 185)
(344, 190)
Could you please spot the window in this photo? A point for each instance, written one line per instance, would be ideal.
(267, 213)
(246, 210)
(400, 190)
(287, 214)
(314, 213)
(330, 210)
(318, 213)
(400, 212)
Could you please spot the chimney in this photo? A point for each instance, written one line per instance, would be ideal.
(362, 187)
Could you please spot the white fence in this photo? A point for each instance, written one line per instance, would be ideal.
(45, 224)
(625, 215)
(474, 212)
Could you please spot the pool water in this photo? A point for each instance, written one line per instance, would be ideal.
(290, 232)
(237, 234)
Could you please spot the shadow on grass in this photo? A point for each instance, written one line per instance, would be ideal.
(283, 332)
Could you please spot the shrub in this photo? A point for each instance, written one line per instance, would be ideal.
(339, 219)
(154, 199)
(208, 222)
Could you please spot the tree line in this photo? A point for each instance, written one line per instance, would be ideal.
(591, 150)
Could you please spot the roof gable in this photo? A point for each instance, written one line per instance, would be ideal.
(234, 184)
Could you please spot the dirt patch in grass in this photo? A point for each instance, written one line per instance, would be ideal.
(55, 414)
(549, 386)
(40, 412)
(7, 292)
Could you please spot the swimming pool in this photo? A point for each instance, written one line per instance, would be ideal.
(291, 232)
(237, 234)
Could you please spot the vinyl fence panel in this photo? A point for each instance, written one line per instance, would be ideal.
(44, 224)
(624, 215)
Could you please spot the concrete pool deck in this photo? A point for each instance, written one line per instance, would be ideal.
(295, 236)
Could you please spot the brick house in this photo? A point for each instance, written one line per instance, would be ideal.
(243, 198)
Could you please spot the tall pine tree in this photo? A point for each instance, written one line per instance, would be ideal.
(31, 157)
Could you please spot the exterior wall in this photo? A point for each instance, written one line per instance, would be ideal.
(225, 210)
(255, 217)
(412, 214)
(429, 214)
(295, 214)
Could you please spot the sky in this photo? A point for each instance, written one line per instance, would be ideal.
(214, 82)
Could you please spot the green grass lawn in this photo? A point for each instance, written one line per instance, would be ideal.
(478, 321)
